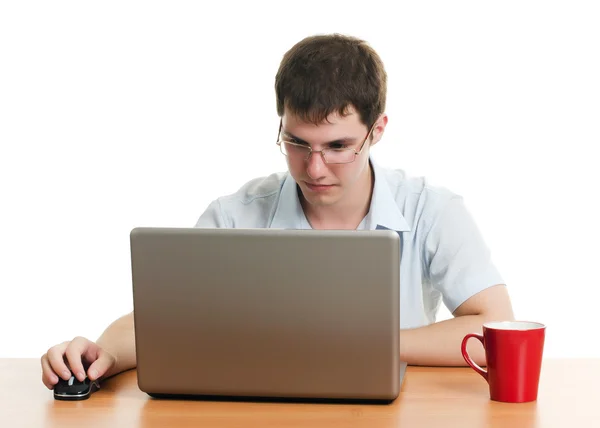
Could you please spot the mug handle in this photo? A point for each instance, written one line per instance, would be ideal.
(468, 358)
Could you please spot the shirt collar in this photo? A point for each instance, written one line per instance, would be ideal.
(384, 212)
(289, 213)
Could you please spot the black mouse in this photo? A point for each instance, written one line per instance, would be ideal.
(73, 389)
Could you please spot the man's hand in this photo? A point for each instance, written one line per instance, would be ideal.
(72, 357)
(112, 353)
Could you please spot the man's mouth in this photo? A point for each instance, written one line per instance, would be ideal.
(318, 187)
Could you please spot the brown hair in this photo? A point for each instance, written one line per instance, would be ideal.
(327, 74)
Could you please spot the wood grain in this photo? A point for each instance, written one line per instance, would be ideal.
(430, 397)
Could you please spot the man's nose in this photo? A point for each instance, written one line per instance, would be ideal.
(315, 165)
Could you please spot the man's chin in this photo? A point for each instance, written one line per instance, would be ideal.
(319, 199)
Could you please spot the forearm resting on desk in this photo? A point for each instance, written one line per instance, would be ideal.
(119, 340)
(439, 344)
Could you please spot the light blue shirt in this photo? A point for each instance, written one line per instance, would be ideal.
(444, 257)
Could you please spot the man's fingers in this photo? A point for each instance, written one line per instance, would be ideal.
(74, 352)
(68, 358)
(48, 376)
(104, 362)
(57, 363)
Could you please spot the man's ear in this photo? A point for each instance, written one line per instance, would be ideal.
(378, 129)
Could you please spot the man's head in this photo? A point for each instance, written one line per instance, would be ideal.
(331, 92)
(327, 74)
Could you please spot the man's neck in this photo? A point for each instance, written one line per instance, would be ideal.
(342, 216)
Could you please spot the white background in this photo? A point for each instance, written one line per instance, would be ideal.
(118, 114)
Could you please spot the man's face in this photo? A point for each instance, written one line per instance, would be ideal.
(327, 184)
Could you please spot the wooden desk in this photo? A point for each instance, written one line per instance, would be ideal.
(430, 397)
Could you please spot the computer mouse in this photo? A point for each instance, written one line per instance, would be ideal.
(73, 389)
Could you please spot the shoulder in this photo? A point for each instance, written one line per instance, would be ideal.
(417, 189)
(253, 204)
(256, 189)
(420, 201)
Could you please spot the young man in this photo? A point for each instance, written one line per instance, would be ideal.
(331, 94)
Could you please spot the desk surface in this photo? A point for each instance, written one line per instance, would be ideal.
(430, 397)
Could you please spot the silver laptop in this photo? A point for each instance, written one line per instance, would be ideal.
(267, 313)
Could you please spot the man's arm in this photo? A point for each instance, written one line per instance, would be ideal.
(119, 340)
(439, 344)
(113, 353)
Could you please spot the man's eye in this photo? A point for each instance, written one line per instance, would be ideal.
(337, 146)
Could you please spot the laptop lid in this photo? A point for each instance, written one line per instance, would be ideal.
(267, 312)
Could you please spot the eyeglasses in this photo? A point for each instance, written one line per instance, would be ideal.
(330, 155)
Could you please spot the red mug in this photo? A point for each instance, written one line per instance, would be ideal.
(513, 351)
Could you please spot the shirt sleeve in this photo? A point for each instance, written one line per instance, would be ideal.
(459, 261)
(212, 217)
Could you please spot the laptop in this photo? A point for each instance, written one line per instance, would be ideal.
(267, 313)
